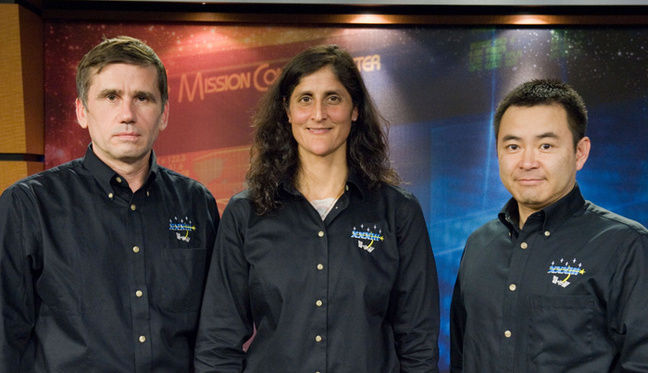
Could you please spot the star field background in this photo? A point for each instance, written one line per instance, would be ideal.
(437, 86)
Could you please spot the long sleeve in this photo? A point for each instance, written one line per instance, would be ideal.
(16, 283)
(457, 329)
(225, 322)
(416, 293)
(628, 304)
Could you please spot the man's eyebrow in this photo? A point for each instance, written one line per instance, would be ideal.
(149, 95)
(545, 135)
(109, 91)
(510, 137)
(117, 92)
(551, 135)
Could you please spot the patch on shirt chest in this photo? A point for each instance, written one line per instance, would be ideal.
(563, 270)
(368, 236)
(182, 227)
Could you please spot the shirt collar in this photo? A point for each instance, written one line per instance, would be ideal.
(104, 174)
(353, 184)
(551, 216)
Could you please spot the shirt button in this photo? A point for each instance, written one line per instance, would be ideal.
(136, 249)
(320, 233)
(142, 339)
(320, 267)
(318, 303)
(138, 293)
(547, 233)
(110, 195)
(118, 179)
(507, 334)
(318, 339)
(147, 193)
(512, 287)
(524, 245)
(133, 207)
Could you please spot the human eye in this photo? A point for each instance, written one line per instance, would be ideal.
(334, 99)
(144, 97)
(512, 147)
(305, 99)
(546, 146)
(109, 95)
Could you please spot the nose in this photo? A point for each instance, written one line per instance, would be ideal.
(127, 112)
(319, 112)
(529, 159)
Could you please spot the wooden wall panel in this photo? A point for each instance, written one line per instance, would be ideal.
(12, 118)
(11, 171)
(21, 92)
(33, 80)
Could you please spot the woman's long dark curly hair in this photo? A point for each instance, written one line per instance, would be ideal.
(274, 154)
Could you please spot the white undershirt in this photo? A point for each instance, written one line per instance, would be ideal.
(323, 206)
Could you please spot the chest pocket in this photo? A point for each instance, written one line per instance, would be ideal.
(560, 331)
(180, 279)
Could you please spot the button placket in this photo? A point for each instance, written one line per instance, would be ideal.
(319, 301)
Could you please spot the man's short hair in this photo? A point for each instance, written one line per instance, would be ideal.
(547, 92)
(122, 49)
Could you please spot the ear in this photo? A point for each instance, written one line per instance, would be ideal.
(287, 108)
(81, 114)
(582, 152)
(164, 119)
(354, 114)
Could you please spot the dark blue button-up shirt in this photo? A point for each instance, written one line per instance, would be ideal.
(95, 278)
(356, 292)
(566, 293)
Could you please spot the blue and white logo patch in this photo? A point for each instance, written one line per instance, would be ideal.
(564, 270)
(182, 227)
(367, 236)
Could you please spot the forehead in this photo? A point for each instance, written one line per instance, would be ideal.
(523, 121)
(119, 74)
(324, 78)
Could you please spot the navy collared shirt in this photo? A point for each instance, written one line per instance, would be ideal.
(566, 293)
(95, 278)
(356, 292)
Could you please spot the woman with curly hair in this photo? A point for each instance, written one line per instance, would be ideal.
(323, 255)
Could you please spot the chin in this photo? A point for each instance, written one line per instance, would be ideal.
(527, 200)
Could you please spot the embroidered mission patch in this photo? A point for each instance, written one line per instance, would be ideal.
(367, 237)
(564, 270)
(182, 228)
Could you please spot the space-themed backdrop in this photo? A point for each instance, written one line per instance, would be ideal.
(437, 86)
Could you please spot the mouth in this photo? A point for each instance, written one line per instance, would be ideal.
(318, 131)
(128, 136)
(530, 181)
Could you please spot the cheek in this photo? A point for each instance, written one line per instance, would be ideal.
(341, 116)
(506, 166)
(298, 116)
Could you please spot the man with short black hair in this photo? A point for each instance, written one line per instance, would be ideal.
(556, 283)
